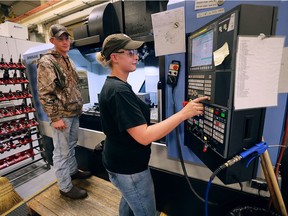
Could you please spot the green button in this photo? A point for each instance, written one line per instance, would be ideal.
(223, 115)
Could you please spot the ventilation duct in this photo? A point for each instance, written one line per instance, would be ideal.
(103, 21)
(130, 17)
(138, 21)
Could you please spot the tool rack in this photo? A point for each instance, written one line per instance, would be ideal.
(20, 138)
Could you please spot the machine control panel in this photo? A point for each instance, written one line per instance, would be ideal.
(199, 85)
(222, 132)
(210, 128)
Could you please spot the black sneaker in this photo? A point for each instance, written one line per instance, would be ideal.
(75, 193)
(81, 175)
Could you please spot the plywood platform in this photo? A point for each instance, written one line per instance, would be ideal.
(103, 200)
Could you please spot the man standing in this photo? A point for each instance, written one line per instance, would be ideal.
(59, 94)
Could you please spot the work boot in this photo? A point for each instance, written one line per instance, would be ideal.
(81, 175)
(75, 193)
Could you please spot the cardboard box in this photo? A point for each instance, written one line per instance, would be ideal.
(14, 30)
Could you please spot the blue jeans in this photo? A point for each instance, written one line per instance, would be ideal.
(64, 160)
(137, 190)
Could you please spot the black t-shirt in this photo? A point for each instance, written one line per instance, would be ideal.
(121, 109)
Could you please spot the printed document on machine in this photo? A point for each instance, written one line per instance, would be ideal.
(169, 32)
(258, 63)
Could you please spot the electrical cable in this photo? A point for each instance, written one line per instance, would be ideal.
(284, 141)
(259, 190)
(283, 146)
(282, 149)
(238, 181)
(260, 148)
(182, 160)
(214, 174)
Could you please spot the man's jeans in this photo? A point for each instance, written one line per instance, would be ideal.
(137, 190)
(64, 160)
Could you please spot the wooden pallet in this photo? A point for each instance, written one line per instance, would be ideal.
(103, 200)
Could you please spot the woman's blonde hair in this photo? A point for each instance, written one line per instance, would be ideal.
(101, 59)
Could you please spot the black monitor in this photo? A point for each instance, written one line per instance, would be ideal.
(200, 50)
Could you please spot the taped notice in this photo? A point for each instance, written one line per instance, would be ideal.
(203, 4)
(210, 13)
(220, 54)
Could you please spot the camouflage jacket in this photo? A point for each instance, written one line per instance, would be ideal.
(58, 86)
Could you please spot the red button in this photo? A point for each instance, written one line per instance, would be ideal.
(184, 103)
(175, 67)
(204, 149)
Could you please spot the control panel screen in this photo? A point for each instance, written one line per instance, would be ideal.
(202, 49)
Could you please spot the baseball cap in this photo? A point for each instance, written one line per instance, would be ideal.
(57, 30)
(115, 42)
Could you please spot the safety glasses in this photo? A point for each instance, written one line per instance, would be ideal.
(130, 53)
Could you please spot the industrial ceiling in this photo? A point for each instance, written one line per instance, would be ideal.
(39, 12)
(12, 9)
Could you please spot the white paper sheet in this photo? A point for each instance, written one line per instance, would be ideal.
(258, 64)
(220, 54)
(210, 13)
(283, 80)
(169, 31)
(202, 4)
